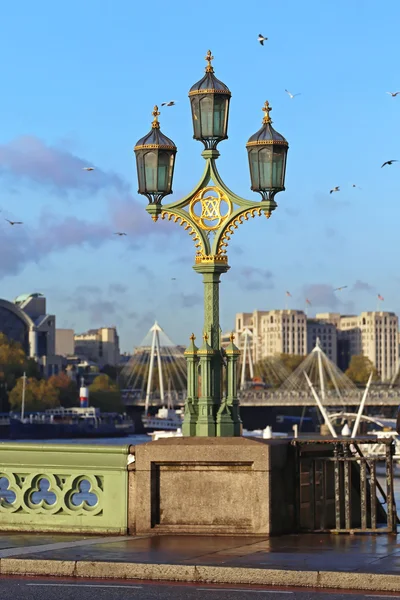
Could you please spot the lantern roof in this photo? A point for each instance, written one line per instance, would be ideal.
(267, 134)
(155, 139)
(209, 84)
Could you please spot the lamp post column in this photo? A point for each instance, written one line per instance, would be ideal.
(211, 279)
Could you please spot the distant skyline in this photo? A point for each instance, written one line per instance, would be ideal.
(79, 82)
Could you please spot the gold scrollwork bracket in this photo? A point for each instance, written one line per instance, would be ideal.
(224, 239)
(198, 242)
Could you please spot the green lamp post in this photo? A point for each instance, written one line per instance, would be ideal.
(210, 214)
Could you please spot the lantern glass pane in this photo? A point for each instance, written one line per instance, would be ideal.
(277, 167)
(220, 108)
(150, 166)
(196, 116)
(140, 172)
(206, 116)
(254, 170)
(265, 166)
(163, 171)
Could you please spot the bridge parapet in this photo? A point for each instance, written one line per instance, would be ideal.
(68, 488)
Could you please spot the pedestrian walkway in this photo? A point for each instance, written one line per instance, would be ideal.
(347, 561)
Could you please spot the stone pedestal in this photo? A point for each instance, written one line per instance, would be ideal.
(212, 486)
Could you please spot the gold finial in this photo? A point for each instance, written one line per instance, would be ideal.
(209, 58)
(232, 337)
(192, 338)
(155, 124)
(205, 337)
(267, 109)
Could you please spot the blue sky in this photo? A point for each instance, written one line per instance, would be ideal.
(79, 81)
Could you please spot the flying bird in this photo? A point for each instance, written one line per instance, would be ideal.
(354, 185)
(393, 94)
(339, 289)
(119, 233)
(335, 189)
(15, 222)
(389, 162)
(88, 168)
(292, 95)
(173, 278)
(261, 39)
(170, 103)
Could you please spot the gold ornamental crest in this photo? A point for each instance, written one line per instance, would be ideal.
(209, 208)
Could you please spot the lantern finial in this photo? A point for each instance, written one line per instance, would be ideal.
(209, 58)
(267, 109)
(155, 124)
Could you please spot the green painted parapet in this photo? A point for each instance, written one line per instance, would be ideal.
(63, 488)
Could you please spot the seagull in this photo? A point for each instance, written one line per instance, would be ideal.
(170, 103)
(393, 94)
(335, 189)
(261, 39)
(292, 95)
(88, 169)
(340, 288)
(14, 222)
(389, 162)
(173, 278)
(354, 185)
(119, 233)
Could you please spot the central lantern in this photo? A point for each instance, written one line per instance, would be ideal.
(209, 100)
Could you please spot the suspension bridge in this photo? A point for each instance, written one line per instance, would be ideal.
(155, 376)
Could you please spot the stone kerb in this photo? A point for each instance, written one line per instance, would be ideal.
(63, 488)
(212, 486)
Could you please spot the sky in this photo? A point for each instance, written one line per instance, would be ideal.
(78, 84)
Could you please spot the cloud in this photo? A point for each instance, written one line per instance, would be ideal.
(254, 278)
(117, 288)
(330, 233)
(362, 286)
(146, 272)
(190, 300)
(22, 244)
(130, 216)
(29, 159)
(323, 295)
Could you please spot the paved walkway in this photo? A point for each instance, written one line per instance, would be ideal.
(354, 562)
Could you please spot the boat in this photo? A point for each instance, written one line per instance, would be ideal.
(76, 422)
(166, 419)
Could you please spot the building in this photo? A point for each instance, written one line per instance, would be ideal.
(100, 346)
(273, 332)
(251, 322)
(373, 334)
(284, 332)
(65, 343)
(327, 335)
(25, 321)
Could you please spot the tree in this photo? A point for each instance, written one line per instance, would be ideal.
(111, 371)
(39, 395)
(360, 368)
(67, 389)
(105, 394)
(291, 361)
(13, 363)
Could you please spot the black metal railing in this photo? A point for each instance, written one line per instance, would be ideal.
(338, 489)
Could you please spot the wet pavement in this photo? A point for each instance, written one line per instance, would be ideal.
(306, 552)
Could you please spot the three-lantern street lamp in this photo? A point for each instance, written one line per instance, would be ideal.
(210, 214)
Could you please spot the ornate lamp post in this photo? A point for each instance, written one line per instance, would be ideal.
(210, 214)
